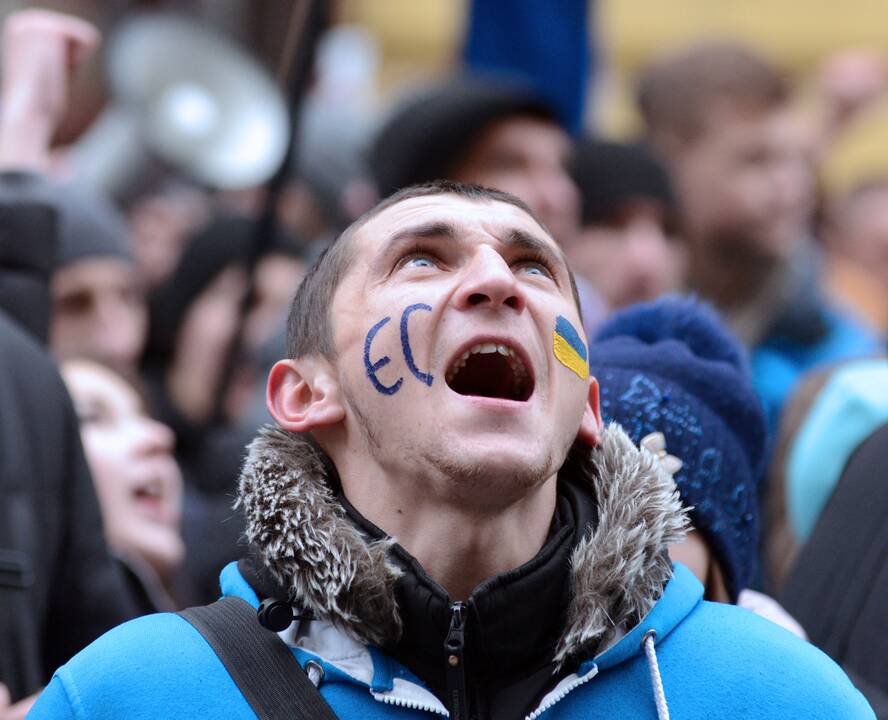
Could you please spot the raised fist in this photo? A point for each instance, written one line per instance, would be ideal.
(41, 50)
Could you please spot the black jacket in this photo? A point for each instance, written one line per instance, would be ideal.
(59, 589)
(838, 587)
(28, 230)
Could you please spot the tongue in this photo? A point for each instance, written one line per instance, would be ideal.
(485, 375)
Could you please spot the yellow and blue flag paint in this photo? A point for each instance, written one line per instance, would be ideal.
(569, 349)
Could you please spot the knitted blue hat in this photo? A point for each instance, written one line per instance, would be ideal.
(671, 366)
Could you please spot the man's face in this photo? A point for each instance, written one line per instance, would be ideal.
(745, 182)
(631, 258)
(98, 312)
(443, 330)
(527, 157)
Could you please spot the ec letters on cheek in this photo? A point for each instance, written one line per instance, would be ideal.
(373, 367)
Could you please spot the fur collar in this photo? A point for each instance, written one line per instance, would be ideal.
(308, 544)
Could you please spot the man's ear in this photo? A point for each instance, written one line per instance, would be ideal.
(591, 425)
(304, 394)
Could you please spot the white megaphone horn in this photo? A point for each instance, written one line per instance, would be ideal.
(187, 97)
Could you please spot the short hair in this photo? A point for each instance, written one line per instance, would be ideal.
(309, 327)
(675, 91)
(431, 133)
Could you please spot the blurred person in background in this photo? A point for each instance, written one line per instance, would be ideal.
(497, 135)
(329, 186)
(677, 381)
(826, 510)
(194, 320)
(831, 413)
(720, 117)
(160, 222)
(502, 136)
(59, 588)
(98, 304)
(99, 308)
(837, 585)
(201, 378)
(137, 481)
(627, 246)
(847, 83)
(855, 229)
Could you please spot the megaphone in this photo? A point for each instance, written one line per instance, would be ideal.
(188, 97)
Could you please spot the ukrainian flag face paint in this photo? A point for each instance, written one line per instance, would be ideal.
(569, 349)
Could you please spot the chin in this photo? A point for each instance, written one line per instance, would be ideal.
(506, 467)
(164, 551)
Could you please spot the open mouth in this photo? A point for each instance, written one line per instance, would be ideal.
(492, 370)
(149, 491)
(150, 497)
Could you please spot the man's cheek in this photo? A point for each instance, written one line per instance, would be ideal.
(373, 367)
(407, 348)
(569, 348)
(390, 341)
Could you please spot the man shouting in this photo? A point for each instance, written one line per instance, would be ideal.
(456, 531)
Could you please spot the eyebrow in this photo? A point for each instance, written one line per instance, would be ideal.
(514, 239)
(426, 231)
(525, 241)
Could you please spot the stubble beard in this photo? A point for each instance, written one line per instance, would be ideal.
(453, 476)
(475, 483)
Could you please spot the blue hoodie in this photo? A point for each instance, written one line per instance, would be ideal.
(715, 660)
(698, 659)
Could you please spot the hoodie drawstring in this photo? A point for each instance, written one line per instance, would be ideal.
(656, 681)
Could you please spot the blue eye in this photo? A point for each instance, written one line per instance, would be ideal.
(535, 269)
(419, 261)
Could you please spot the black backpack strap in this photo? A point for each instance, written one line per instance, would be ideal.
(261, 665)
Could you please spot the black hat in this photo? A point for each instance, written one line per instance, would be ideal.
(88, 224)
(428, 134)
(608, 173)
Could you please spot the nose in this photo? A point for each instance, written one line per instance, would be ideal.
(557, 202)
(791, 182)
(489, 282)
(154, 438)
(646, 248)
(558, 192)
(118, 333)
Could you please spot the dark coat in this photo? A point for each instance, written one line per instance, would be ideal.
(59, 589)
(838, 587)
(28, 229)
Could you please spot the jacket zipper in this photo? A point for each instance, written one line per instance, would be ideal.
(454, 647)
(563, 693)
(408, 704)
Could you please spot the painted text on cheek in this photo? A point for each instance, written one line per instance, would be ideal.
(373, 367)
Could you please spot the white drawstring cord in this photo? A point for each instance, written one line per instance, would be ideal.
(315, 672)
(656, 681)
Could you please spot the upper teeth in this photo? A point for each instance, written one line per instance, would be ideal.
(518, 369)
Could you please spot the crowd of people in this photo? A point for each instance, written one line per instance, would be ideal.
(524, 369)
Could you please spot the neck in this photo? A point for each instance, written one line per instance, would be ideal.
(459, 544)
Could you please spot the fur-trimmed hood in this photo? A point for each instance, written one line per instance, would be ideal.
(309, 545)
